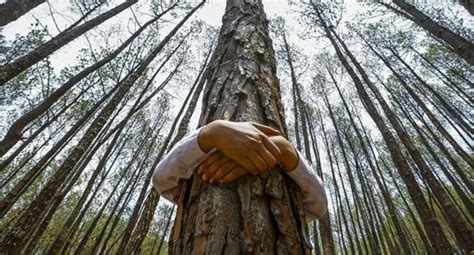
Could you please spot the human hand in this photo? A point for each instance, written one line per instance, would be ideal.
(246, 143)
(288, 157)
(220, 168)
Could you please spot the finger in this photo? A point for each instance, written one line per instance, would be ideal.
(258, 162)
(270, 146)
(270, 161)
(266, 129)
(209, 171)
(223, 171)
(233, 175)
(248, 165)
(212, 158)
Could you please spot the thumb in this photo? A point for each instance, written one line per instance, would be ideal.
(266, 129)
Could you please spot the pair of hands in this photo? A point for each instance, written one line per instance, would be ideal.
(242, 148)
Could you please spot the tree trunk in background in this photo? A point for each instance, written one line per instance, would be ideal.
(460, 45)
(260, 214)
(14, 133)
(460, 227)
(10, 70)
(469, 5)
(141, 228)
(431, 224)
(13, 9)
(386, 195)
(15, 238)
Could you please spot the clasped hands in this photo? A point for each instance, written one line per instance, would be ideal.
(242, 148)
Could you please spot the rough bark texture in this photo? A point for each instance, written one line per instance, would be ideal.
(13, 9)
(254, 215)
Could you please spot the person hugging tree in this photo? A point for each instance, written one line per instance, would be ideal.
(223, 151)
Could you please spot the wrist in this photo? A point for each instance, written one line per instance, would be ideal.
(290, 157)
(207, 136)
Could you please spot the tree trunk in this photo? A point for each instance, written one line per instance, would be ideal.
(15, 131)
(385, 194)
(15, 238)
(10, 70)
(427, 111)
(461, 46)
(337, 190)
(141, 229)
(469, 5)
(14, 194)
(241, 86)
(355, 193)
(432, 225)
(13, 9)
(461, 229)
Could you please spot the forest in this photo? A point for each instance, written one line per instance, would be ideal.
(377, 95)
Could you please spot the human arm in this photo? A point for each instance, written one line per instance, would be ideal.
(218, 168)
(237, 140)
(244, 142)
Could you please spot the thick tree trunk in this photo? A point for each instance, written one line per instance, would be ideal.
(254, 214)
(461, 46)
(13, 9)
(10, 70)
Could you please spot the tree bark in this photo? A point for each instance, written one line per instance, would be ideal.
(257, 215)
(13, 9)
(10, 70)
(141, 229)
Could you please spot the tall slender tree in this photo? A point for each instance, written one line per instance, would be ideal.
(460, 45)
(10, 70)
(13, 9)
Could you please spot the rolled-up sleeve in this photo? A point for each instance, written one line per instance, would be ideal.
(312, 188)
(179, 163)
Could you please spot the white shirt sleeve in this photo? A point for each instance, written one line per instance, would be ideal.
(314, 197)
(186, 156)
(178, 164)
